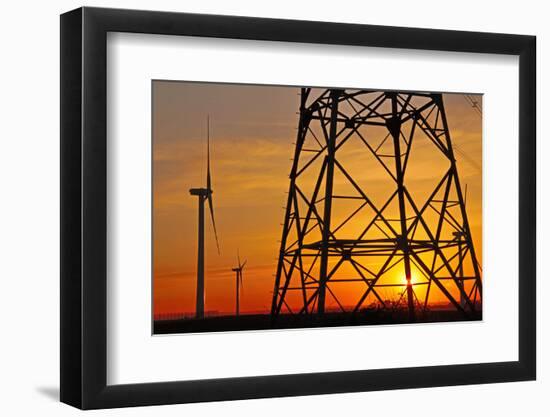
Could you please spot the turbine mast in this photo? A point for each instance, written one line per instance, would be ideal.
(203, 194)
(238, 283)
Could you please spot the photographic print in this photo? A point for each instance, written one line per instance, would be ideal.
(293, 207)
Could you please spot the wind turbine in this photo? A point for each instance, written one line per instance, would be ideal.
(203, 195)
(238, 282)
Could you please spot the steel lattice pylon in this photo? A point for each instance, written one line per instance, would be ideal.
(365, 226)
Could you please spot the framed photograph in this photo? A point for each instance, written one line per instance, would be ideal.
(258, 208)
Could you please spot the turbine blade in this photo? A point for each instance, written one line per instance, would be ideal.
(208, 176)
(209, 181)
(238, 258)
(211, 207)
(242, 266)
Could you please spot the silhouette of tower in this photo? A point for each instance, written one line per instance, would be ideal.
(238, 283)
(203, 195)
(375, 216)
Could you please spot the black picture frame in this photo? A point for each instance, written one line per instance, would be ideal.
(84, 207)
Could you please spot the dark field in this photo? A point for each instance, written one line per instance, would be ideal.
(288, 321)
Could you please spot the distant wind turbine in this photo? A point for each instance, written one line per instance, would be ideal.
(204, 194)
(238, 282)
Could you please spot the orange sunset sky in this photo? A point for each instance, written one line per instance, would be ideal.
(252, 129)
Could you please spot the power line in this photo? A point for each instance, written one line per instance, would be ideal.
(473, 102)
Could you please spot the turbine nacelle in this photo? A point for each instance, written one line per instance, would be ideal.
(204, 192)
